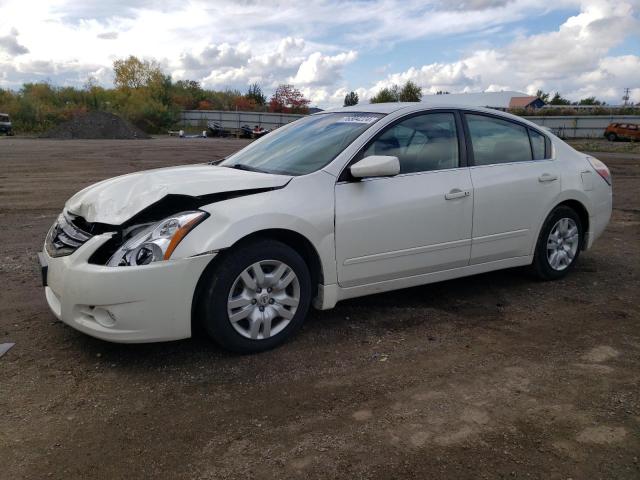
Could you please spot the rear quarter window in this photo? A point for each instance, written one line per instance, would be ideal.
(538, 145)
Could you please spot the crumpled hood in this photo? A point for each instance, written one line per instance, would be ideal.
(116, 200)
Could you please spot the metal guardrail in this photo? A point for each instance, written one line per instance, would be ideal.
(235, 120)
(581, 126)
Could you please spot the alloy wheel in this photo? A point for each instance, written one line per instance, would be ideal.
(263, 299)
(562, 244)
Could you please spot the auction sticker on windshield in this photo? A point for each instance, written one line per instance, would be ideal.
(354, 119)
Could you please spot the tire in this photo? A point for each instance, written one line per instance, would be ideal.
(265, 313)
(561, 221)
(612, 137)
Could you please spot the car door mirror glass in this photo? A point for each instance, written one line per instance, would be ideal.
(376, 166)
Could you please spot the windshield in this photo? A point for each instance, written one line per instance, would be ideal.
(4, 118)
(304, 146)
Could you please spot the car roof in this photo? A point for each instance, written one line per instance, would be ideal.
(391, 107)
(408, 107)
(373, 107)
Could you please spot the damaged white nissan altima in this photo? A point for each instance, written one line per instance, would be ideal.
(336, 205)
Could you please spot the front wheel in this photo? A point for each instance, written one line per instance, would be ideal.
(559, 244)
(612, 137)
(255, 297)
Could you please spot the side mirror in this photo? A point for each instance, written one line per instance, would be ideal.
(376, 166)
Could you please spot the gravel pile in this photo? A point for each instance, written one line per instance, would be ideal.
(95, 125)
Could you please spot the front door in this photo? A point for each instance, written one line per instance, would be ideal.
(414, 223)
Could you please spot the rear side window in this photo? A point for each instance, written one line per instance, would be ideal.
(498, 141)
(537, 145)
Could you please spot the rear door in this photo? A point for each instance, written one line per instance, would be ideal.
(515, 182)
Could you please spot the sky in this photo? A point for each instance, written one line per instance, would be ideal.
(327, 48)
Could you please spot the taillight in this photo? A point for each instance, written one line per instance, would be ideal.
(601, 168)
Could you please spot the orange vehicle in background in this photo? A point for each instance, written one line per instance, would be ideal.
(619, 131)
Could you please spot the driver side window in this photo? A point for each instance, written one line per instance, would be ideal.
(422, 143)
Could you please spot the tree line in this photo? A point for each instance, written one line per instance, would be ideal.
(143, 94)
(152, 101)
(411, 92)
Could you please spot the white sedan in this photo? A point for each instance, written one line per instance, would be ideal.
(336, 205)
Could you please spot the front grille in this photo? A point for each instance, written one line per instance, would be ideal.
(65, 237)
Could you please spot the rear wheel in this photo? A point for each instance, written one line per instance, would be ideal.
(612, 137)
(559, 244)
(256, 297)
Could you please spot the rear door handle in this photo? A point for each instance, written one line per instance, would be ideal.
(456, 193)
(547, 177)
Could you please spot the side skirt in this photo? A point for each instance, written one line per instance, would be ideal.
(329, 295)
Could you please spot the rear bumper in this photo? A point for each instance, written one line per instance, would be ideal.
(123, 304)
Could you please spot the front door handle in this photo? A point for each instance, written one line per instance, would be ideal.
(456, 193)
(547, 177)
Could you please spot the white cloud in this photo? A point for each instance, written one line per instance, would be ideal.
(223, 57)
(573, 60)
(235, 67)
(108, 35)
(319, 69)
(314, 44)
(10, 46)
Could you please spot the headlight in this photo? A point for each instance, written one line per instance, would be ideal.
(156, 242)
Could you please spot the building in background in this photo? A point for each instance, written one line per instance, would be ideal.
(530, 102)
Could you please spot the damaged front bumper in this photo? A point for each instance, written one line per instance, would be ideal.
(138, 304)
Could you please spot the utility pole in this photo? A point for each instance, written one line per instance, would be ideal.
(626, 97)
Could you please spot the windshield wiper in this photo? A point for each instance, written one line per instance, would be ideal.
(242, 166)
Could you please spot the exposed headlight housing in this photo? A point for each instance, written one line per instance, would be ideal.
(156, 242)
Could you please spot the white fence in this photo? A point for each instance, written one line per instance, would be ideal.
(582, 126)
(235, 120)
(579, 126)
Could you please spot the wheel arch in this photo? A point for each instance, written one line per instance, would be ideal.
(293, 239)
(582, 212)
(577, 206)
(297, 242)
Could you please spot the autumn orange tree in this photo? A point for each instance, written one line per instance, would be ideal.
(187, 94)
(244, 104)
(288, 99)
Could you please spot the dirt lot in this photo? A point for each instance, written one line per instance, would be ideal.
(492, 376)
(602, 145)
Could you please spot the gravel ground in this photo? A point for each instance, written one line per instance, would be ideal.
(95, 125)
(491, 376)
(601, 145)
